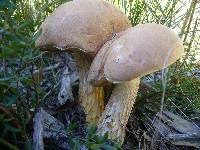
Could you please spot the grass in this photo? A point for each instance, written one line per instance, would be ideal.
(20, 90)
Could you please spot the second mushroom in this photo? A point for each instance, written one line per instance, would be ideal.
(133, 53)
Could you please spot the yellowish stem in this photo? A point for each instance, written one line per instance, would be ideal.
(90, 97)
(118, 109)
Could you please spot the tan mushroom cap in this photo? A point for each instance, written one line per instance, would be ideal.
(141, 50)
(83, 24)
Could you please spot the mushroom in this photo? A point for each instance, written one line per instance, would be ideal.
(133, 53)
(82, 27)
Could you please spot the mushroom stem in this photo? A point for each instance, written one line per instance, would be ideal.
(90, 97)
(118, 109)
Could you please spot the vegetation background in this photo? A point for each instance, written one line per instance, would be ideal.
(19, 60)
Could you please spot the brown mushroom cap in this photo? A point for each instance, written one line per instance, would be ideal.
(143, 49)
(83, 24)
(138, 51)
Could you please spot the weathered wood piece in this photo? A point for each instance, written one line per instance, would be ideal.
(176, 130)
(38, 131)
(48, 127)
(53, 128)
(65, 93)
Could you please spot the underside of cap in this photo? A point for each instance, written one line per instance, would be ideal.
(84, 24)
(141, 50)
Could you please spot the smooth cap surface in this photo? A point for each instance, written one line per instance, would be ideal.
(141, 50)
(83, 24)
